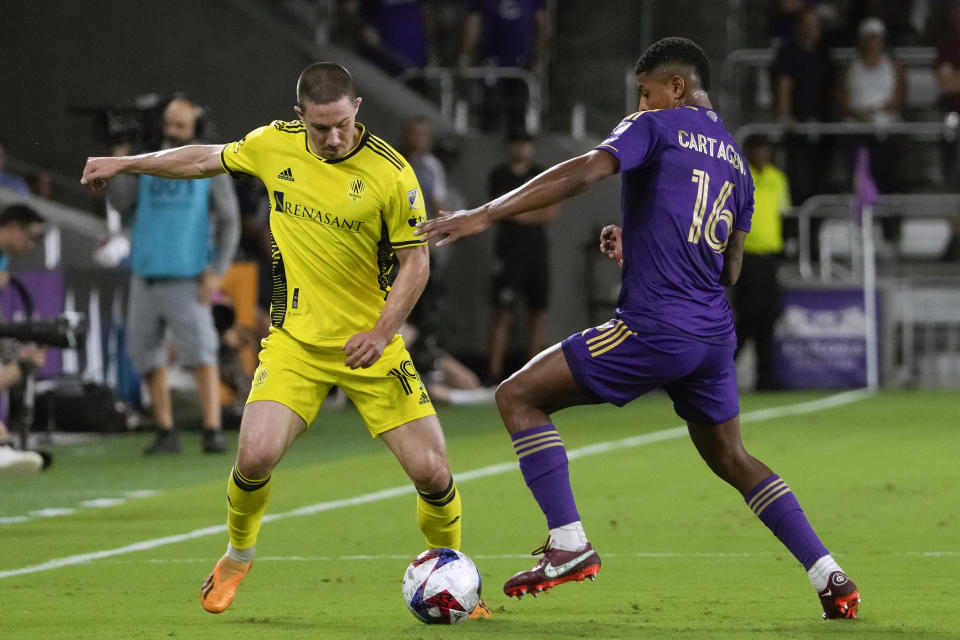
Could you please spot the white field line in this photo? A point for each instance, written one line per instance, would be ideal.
(94, 503)
(812, 406)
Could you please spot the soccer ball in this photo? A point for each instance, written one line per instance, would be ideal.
(441, 586)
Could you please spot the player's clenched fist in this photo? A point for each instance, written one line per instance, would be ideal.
(98, 170)
(364, 349)
(611, 244)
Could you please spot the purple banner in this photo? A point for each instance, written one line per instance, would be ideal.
(820, 340)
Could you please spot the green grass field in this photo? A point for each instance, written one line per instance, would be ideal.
(683, 556)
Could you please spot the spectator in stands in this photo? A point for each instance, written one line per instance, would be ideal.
(448, 18)
(9, 180)
(873, 87)
(393, 34)
(174, 279)
(802, 76)
(521, 272)
(948, 81)
(872, 90)
(903, 19)
(756, 296)
(417, 148)
(783, 16)
(513, 34)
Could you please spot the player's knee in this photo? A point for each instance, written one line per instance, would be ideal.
(256, 464)
(431, 473)
(509, 394)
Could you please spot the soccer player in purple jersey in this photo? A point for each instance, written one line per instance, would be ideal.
(687, 202)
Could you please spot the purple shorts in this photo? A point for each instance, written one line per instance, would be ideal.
(613, 364)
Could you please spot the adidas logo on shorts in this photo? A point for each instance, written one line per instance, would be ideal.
(424, 398)
(286, 174)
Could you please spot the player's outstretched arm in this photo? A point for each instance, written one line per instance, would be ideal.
(364, 349)
(191, 161)
(558, 183)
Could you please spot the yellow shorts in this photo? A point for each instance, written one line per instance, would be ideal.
(299, 376)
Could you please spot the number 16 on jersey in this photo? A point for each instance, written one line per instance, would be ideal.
(708, 230)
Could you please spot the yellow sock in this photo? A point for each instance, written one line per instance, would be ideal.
(246, 502)
(439, 517)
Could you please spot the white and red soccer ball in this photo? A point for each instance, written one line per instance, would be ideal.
(441, 586)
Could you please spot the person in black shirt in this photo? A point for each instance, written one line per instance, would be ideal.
(520, 269)
(803, 76)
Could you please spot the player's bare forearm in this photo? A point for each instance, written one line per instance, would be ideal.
(407, 288)
(537, 216)
(733, 258)
(554, 185)
(364, 349)
(188, 162)
(558, 183)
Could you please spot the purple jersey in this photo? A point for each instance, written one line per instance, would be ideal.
(684, 188)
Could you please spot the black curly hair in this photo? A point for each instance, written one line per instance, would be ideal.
(675, 50)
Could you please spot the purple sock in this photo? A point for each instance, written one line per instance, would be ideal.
(774, 503)
(543, 462)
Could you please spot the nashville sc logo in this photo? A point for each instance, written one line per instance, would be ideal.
(355, 189)
(313, 214)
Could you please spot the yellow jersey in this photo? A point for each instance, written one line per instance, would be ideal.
(771, 197)
(334, 226)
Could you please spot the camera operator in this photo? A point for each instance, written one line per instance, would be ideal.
(174, 276)
(20, 227)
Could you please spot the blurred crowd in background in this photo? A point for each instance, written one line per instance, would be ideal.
(823, 61)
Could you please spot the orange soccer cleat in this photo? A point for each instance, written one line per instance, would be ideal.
(220, 587)
(481, 610)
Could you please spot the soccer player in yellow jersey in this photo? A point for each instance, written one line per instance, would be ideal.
(343, 209)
